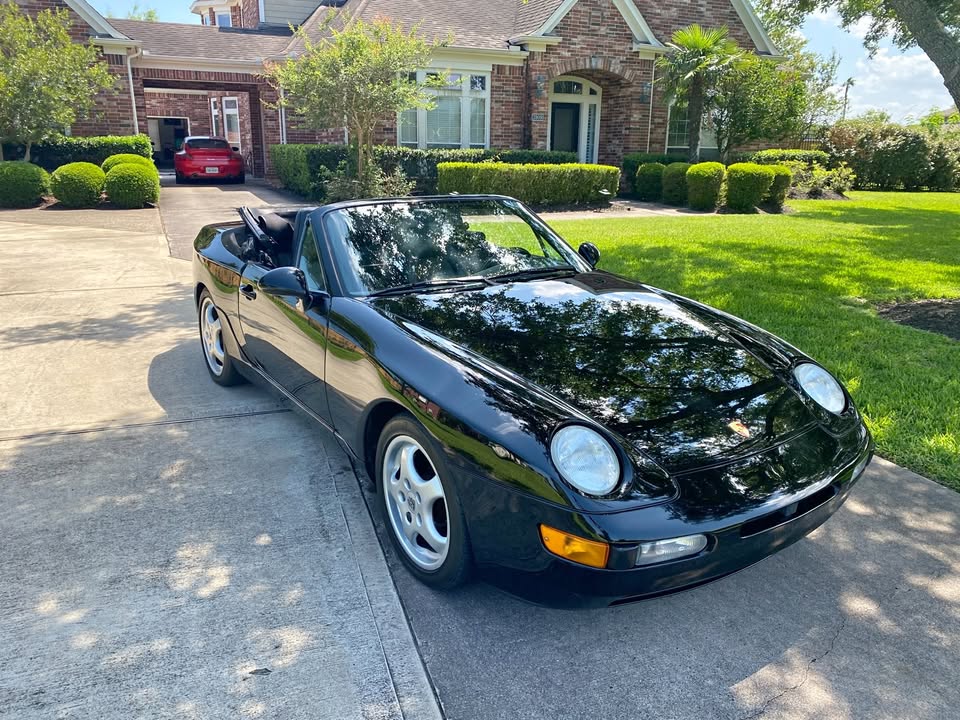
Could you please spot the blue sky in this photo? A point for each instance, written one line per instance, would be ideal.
(903, 84)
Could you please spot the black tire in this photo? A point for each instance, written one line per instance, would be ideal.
(242, 180)
(180, 179)
(456, 567)
(222, 372)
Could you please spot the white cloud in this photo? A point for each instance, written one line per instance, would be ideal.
(900, 83)
(831, 18)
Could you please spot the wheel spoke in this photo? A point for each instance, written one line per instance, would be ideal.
(429, 490)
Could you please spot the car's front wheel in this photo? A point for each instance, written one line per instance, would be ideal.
(221, 366)
(420, 506)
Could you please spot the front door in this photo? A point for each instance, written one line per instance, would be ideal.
(565, 127)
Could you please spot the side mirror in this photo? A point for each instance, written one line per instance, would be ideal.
(235, 148)
(285, 281)
(590, 253)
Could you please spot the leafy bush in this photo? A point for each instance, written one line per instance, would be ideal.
(705, 185)
(342, 185)
(55, 152)
(22, 184)
(747, 185)
(892, 157)
(126, 159)
(815, 180)
(78, 185)
(633, 161)
(648, 185)
(675, 183)
(777, 157)
(132, 185)
(307, 169)
(542, 184)
(782, 181)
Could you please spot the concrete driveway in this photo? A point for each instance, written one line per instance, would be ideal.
(170, 549)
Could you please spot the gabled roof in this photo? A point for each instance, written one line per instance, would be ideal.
(160, 39)
(101, 26)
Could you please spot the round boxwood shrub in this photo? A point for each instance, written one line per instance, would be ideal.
(747, 185)
(675, 183)
(132, 185)
(648, 184)
(22, 184)
(782, 180)
(704, 185)
(126, 159)
(78, 185)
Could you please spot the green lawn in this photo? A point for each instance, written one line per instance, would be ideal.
(814, 277)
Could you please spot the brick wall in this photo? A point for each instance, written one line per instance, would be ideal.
(507, 99)
(666, 16)
(113, 111)
(236, 16)
(79, 30)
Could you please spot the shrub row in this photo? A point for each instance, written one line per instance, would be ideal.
(891, 157)
(305, 169)
(776, 157)
(22, 184)
(541, 184)
(702, 186)
(130, 181)
(633, 161)
(51, 154)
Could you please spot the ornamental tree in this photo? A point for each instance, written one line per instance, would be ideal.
(47, 81)
(355, 78)
(696, 61)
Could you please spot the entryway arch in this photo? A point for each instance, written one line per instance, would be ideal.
(574, 120)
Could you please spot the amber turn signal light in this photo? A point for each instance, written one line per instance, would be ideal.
(573, 548)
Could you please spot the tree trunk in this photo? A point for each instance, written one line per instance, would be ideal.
(695, 119)
(360, 150)
(933, 38)
(1, 151)
(26, 153)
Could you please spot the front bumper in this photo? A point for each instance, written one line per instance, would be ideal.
(515, 559)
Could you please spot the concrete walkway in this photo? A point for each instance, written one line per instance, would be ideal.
(171, 549)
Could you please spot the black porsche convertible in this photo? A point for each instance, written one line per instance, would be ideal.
(573, 436)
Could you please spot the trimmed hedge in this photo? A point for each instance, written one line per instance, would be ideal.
(22, 185)
(892, 157)
(705, 185)
(775, 157)
(305, 169)
(747, 185)
(782, 180)
(55, 152)
(542, 184)
(78, 185)
(132, 185)
(126, 159)
(633, 161)
(648, 184)
(675, 183)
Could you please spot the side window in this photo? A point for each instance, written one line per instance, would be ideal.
(309, 261)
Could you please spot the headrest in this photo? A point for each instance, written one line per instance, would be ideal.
(276, 227)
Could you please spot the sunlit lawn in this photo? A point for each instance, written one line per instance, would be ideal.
(814, 277)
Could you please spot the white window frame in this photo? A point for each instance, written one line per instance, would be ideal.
(708, 138)
(584, 101)
(227, 15)
(232, 111)
(466, 95)
(215, 116)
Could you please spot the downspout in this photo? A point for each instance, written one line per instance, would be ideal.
(283, 119)
(653, 83)
(133, 94)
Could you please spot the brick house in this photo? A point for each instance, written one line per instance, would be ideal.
(549, 74)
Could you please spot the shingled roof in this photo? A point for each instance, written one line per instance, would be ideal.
(161, 39)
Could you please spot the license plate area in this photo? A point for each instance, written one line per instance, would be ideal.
(213, 171)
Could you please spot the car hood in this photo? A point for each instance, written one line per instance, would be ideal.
(663, 377)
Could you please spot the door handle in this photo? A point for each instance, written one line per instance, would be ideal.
(248, 292)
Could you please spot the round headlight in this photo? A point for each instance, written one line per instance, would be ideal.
(820, 385)
(585, 460)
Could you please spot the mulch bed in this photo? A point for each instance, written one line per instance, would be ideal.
(939, 316)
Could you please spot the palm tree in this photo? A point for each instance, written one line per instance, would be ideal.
(693, 65)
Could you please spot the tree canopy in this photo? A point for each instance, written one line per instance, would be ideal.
(361, 74)
(47, 81)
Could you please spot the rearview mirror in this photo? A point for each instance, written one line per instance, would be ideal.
(590, 253)
(285, 281)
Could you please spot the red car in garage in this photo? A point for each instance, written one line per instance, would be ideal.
(208, 158)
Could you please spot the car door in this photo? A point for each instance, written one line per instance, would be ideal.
(284, 336)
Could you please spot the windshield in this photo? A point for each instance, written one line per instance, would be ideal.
(388, 245)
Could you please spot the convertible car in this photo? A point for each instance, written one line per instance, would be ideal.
(572, 436)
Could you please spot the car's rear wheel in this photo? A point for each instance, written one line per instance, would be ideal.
(221, 366)
(180, 179)
(420, 506)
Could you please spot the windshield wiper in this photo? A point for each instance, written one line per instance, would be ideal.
(534, 273)
(432, 286)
